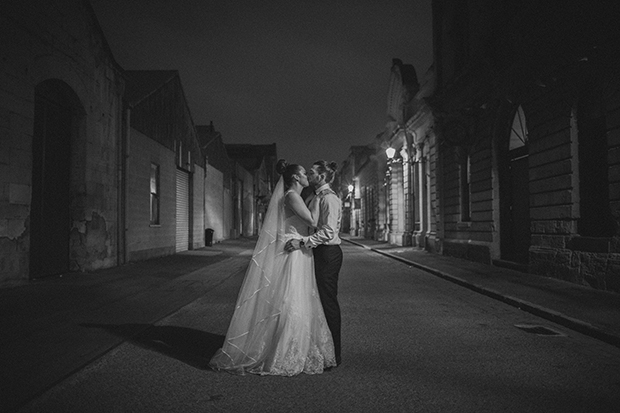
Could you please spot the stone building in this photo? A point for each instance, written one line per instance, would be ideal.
(98, 166)
(527, 108)
(411, 160)
(61, 122)
(394, 185)
(508, 151)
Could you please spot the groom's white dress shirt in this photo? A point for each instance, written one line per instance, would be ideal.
(327, 206)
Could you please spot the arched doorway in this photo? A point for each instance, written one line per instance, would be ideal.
(515, 194)
(56, 113)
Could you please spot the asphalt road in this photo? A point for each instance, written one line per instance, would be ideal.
(412, 342)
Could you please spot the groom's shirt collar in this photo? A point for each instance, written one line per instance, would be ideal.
(321, 188)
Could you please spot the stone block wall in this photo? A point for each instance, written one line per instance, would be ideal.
(58, 40)
(473, 239)
(557, 249)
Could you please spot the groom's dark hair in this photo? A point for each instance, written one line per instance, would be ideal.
(328, 169)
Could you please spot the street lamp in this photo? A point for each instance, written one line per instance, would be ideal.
(350, 188)
(390, 152)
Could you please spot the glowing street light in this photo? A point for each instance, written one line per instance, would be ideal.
(390, 152)
(350, 188)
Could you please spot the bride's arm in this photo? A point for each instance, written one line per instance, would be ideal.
(294, 201)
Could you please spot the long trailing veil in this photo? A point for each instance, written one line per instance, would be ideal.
(255, 318)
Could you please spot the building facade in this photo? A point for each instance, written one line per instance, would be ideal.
(98, 165)
(507, 152)
(526, 107)
(253, 191)
(218, 201)
(164, 181)
(62, 118)
(411, 151)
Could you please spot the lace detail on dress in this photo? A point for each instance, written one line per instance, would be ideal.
(319, 356)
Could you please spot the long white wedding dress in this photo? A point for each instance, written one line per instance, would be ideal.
(278, 327)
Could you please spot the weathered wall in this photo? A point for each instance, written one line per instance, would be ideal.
(228, 226)
(198, 202)
(249, 224)
(214, 204)
(60, 40)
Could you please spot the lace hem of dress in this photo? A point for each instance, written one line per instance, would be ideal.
(293, 363)
(318, 357)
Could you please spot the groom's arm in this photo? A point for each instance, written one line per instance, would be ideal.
(329, 207)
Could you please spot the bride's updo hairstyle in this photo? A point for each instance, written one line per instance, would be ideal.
(328, 169)
(287, 171)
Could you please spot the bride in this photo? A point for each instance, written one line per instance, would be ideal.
(278, 327)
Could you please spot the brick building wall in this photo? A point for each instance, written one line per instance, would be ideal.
(146, 240)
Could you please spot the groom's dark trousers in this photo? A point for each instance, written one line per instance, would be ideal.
(327, 263)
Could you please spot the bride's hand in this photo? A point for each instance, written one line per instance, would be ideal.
(292, 245)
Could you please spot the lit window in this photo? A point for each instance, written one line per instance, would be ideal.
(518, 132)
(154, 194)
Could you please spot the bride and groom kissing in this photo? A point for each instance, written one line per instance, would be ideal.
(287, 317)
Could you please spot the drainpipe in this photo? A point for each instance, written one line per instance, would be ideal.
(123, 152)
(204, 200)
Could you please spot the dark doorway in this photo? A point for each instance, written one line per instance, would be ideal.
(50, 221)
(515, 205)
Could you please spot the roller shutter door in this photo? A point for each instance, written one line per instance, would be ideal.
(182, 237)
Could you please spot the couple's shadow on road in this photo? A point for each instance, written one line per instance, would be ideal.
(192, 347)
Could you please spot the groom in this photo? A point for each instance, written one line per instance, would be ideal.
(325, 243)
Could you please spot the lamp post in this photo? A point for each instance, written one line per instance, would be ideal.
(351, 210)
(389, 152)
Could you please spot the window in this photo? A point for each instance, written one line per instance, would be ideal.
(465, 181)
(518, 131)
(154, 194)
(595, 214)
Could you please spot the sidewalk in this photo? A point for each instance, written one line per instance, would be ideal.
(53, 327)
(583, 309)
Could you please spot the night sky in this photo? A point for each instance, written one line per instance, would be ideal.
(310, 76)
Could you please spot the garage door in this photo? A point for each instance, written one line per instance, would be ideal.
(182, 237)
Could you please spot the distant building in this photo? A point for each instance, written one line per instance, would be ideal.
(362, 184)
(395, 191)
(164, 168)
(218, 202)
(260, 161)
(411, 157)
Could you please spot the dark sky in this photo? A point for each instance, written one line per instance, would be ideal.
(311, 76)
